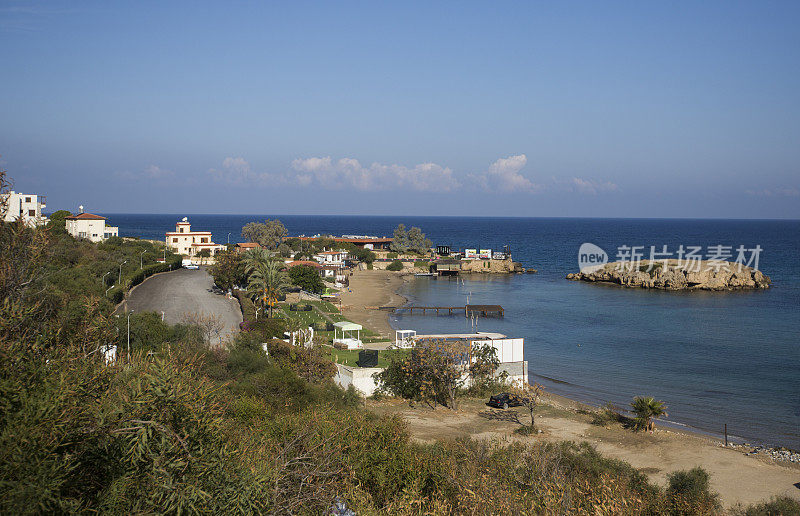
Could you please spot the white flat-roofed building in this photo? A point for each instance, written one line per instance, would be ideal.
(89, 226)
(186, 242)
(335, 258)
(27, 207)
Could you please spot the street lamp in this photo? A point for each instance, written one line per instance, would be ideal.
(141, 256)
(120, 271)
(229, 238)
(103, 281)
(109, 288)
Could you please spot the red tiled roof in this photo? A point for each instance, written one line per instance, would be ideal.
(377, 240)
(304, 262)
(249, 245)
(85, 216)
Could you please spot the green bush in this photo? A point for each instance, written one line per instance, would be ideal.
(778, 506)
(689, 490)
(246, 305)
(396, 265)
(391, 256)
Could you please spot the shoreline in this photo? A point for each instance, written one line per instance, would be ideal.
(380, 288)
(373, 288)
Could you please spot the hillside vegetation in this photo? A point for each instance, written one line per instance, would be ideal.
(180, 427)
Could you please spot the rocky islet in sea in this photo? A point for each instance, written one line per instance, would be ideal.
(676, 275)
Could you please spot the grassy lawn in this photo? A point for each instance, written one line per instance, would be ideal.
(325, 306)
(350, 357)
(314, 318)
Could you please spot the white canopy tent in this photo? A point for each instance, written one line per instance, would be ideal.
(347, 328)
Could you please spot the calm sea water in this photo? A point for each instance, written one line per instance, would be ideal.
(715, 358)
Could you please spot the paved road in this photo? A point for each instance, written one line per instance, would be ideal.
(184, 292)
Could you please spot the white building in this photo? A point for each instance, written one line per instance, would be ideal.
(27, 207)
(89, 226)
(334, 258)
(189, 243)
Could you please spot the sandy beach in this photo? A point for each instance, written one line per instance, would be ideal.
(739, 477)
(371, 289)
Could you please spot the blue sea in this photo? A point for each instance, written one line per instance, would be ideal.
(715, 358)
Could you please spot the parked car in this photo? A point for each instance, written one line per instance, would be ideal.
(505, 400)
(191, 266)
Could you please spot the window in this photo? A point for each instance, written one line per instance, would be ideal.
(94, 235)
(204, 240)
(181, 230)
(82, 234)
(175, 240)
(27, 199)
(32, 213)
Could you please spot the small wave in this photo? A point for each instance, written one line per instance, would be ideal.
(554, 380)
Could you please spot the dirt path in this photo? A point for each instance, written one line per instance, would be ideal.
(735, 476)
(371, 289)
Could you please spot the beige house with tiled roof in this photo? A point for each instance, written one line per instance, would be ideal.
(89, 226)
(189, 243)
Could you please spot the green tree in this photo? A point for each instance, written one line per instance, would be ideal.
(268, 234)
(307, 278)
(646, 409)
(433, 373)
(266, 282)
(57, 221)
(417, 242)
(362, 254)
(483, 365)
(203, 254)
(228, 270)
(400, 239)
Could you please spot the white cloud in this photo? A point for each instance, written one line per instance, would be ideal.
(350, 173)
(150, 172)
(592, 187)
(776, 192)
(156, 172)
(237, 171)
(504, 176)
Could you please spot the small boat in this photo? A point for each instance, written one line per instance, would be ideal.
(424, 274)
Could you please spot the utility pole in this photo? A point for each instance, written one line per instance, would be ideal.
(103, 281)
(129, 335)
(141, 257)
(229, 238)
(120, 271)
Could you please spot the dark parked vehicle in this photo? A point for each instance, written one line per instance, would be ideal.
(505, 400)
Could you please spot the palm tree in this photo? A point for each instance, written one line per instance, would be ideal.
(646, 410)
(255, 257)
(266, 281)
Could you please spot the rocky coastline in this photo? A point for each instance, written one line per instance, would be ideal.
(676, 275)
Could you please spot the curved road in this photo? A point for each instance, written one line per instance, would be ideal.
(181, 292)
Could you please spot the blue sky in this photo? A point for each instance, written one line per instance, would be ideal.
(606, 109)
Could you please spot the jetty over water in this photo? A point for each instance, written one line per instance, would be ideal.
(468, 310)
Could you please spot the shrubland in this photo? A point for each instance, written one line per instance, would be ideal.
(179, 426)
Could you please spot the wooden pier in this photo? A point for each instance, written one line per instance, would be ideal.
(484, 310)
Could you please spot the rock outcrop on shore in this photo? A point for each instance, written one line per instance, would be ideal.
(674, 275)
